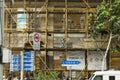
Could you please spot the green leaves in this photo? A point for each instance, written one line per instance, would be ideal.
(107, 18)
(100, 18)
(115, 17)
(48, 76)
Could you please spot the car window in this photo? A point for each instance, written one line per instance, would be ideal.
(98, 77)
(111, 77)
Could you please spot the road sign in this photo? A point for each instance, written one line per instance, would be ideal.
(15, 63)
(29, 61)
(36, 37)
(6, 55)
(36, 41)
(70, 63)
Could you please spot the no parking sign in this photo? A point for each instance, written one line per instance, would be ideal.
(36, 37)
(36, 41)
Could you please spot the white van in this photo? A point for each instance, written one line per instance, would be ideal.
(105, 75)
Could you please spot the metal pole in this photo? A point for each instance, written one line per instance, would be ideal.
(35, 16)
(1, 34)
(70, 72)
(1, 71)
(22, 66)
(13, 2)
(2, 22)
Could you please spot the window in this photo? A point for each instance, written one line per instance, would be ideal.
(21, 20)
(99, 77)
(111, 77)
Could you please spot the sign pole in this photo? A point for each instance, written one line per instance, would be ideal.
(70, 63)
(21, 73)
(70, 72)
(1, 71)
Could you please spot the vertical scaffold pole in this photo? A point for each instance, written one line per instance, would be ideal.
(1, 36)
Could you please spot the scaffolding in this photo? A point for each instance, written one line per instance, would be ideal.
(1, 36)
(63, 29)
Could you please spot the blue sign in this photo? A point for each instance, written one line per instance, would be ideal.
(15, 63)
(29, 60)
(70, 63)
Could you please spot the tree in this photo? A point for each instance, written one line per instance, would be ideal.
(107, 18)
(48, 76)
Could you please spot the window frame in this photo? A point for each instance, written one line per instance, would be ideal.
(112, 77)
(98, 76)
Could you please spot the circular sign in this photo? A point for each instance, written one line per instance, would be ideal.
(36, 37)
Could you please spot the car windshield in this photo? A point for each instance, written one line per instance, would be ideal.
(98, 77)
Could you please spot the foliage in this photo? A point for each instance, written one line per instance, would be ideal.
(106, 21)
(48, 76)
(107, 18)
(115, 17)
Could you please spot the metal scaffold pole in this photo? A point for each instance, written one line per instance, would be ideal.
(1, 36)
(22, 66)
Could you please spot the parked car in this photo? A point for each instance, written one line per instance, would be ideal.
(105, 75)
